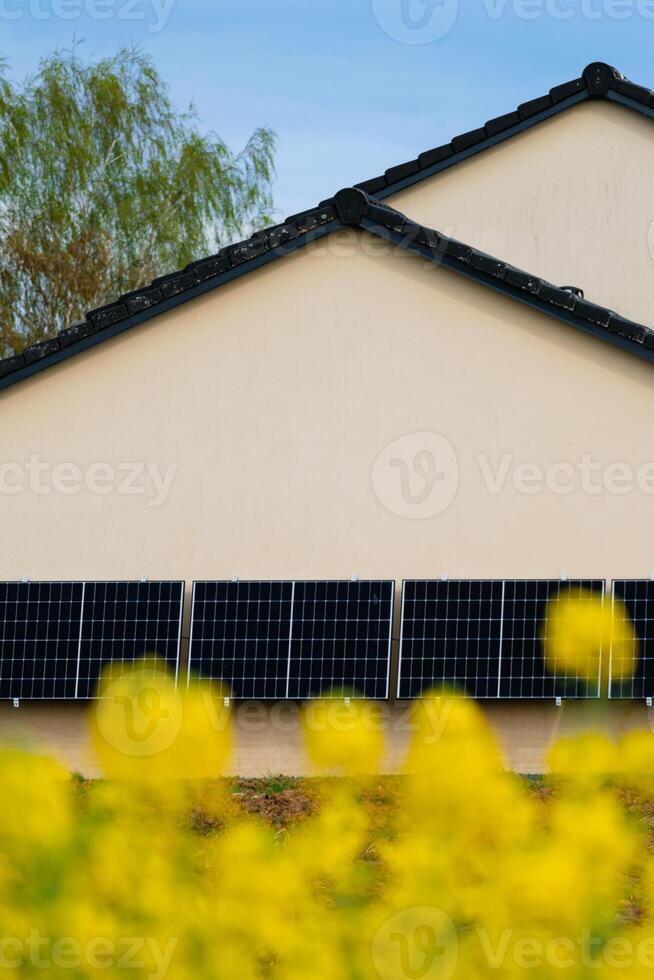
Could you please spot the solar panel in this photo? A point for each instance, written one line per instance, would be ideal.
(293, 639)
(450, 636)
(240, 634)
(56, 637)
(524, 671)
(127, 621)
(341, 639)
(484, 638)
(39, 639)
(638, 598)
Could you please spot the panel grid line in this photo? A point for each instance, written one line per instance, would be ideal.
(58, 637)
(316, 638)
(485, 637)
(635, 600)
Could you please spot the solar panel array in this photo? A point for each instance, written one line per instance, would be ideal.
(305, 639)
(293, 639)
(484, 638)
(637, 602)
(56, 638)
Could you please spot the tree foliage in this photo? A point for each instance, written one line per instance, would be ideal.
(104, 185)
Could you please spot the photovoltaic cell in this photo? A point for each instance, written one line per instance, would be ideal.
(341, 639)
(127, 621)
(293, 639)
(637, 602)
(485, 639)
(450, 637)
(524, 673)
(39, 639)
(240, 635)
(56, 637)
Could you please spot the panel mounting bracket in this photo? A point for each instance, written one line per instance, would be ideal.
(559, 702)
(348, 702)
(234, 578)
(444, 577)
(25, 580)
(648, 702)
(16, 702)
(144, 579)
(226, 702)
(354, 578)
(563, 577)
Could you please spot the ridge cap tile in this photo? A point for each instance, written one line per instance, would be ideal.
(597, 80)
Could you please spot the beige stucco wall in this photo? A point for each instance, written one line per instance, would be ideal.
(568, 200)
(274, 396)
(268, 740)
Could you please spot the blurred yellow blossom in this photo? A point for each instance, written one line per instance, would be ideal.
(581, 631)
(480, 874)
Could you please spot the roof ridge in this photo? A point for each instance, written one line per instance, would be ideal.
(357, 208)
(598, 80)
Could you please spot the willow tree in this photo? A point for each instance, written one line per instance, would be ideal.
(104, 185)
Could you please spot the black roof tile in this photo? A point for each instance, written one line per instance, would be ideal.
(436, 155)
(208, 268)
(11, 364)
(141, 299)
(175, 284)
(502, 123)
(106, 316)
(593, 313)
(374, 184)
(457, 250)
(408, 169)
(558, 297)
(531, 284)
(466, 140)
(78, 331)
(635, 92)
(627, 328)
(598, 80)
(548, 297)
(489, 265)
(38, 351)
(532, 108)
(561, 92)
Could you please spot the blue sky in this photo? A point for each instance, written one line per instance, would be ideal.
(350, 86)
